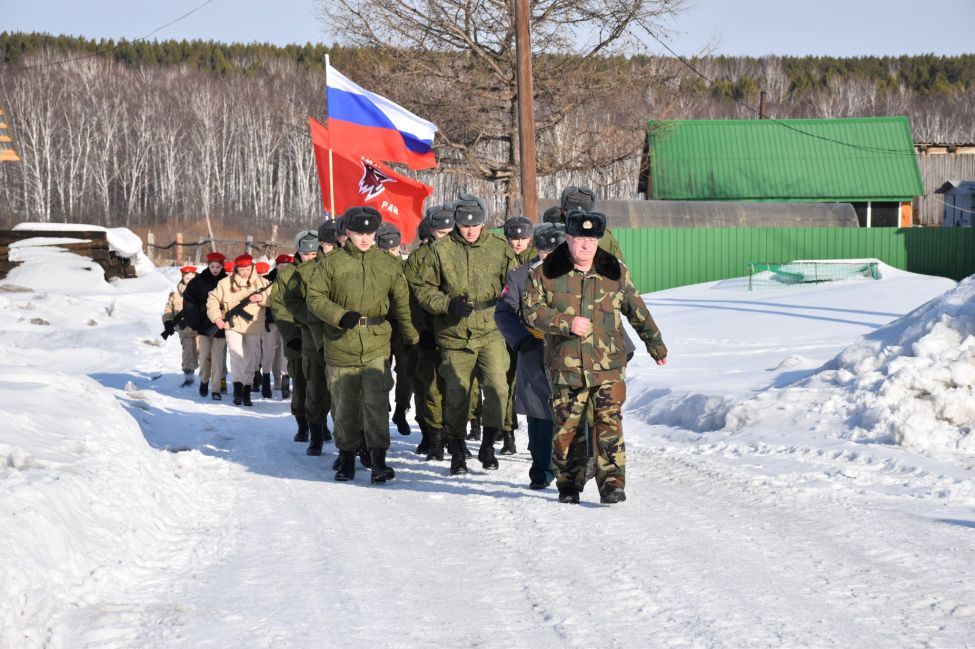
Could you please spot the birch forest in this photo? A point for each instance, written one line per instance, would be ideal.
(162, 134)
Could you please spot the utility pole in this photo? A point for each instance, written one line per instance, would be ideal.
(761, 106)
(526, 109)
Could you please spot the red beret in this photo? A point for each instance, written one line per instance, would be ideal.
(187, 269)
(215, 256)
(228, 266)
(243, 260)
(284, 259)
(262, 267)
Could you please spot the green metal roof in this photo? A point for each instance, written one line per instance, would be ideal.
(842, 160)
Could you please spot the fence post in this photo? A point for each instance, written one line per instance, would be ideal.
(151, 246)
(179, 248)
(199, 249)
(249, 246)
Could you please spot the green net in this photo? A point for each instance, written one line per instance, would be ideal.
(772, 275)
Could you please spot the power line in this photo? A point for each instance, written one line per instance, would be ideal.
(12, 68)
(861, 147)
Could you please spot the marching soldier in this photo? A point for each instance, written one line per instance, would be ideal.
(438, 223)
(318, 399)
(577, 297)
(459, 286)
(354, 291)
(533, 398)
(280, 262)
(174, 321)
(518, 234)
(271, 358)
(306, 244)
(581, 198)
(389, 240)
(243, 291)
(211, 340)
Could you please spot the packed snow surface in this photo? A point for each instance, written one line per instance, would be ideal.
(799, 475)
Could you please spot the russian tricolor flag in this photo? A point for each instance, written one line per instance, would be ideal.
(364, 123)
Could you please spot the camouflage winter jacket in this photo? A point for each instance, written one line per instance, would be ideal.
(370, 283)
(294, 300)
(475, 271)
(557, 293)
(287, 327)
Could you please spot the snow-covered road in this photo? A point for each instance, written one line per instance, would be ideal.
(768, 503)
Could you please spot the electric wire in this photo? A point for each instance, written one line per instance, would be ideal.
(19, 68)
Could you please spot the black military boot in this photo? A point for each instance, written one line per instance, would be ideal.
(435, 444)
(363, 453)
(317, 439)
(346, 468)
(458, 463)
(266, 386)
(245, 395)
(256, 383)
(424, 446)
(611, 494)
(302, 434)
(399, 418)
(285, 387)
(238, 391)
(508, 447)
(568, 495)
(486, 453)
(204, 388)
(381, 472)
(187, 379)
(475, 431)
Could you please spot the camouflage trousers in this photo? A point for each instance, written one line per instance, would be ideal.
(297, 374)
(430, 387)
(318, 399)
(569, 453)
(487, 360)
(404, 363)
(361, 404)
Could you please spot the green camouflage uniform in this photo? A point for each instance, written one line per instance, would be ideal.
(372, 284)
(588, 371)
(318, 399)
(290, 331)
(469, 345)
(429, 385)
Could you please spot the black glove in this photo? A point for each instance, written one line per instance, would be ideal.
(528, 343)
(350, 319)
(428, 340)
(169, 328)
(460, 307)
(294, 344)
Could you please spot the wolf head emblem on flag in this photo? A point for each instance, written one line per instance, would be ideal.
(373, 180)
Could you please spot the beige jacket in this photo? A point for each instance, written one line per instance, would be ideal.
(228, 294)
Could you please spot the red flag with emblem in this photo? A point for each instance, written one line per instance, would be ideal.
(361, 181)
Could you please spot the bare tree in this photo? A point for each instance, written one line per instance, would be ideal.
(457, 67)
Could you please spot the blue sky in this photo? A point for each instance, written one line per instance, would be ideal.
(741, 27)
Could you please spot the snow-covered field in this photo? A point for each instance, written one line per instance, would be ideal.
(800, 474)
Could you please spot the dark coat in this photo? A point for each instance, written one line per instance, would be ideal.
(532, 395)
(195, 301)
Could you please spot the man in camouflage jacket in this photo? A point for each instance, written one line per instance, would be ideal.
(577, 297)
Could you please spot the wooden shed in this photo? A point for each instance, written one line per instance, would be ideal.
(869, 163)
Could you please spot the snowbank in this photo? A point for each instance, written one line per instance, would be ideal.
(911, 382)
(88, 505)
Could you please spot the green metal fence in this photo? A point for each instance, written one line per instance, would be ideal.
(664, 258)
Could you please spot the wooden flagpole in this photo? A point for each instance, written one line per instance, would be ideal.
(331, 181)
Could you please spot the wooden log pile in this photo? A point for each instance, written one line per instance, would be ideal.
(93, 244)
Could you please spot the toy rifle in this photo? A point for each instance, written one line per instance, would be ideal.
(237, 311)
(169, 327)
